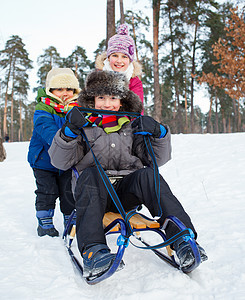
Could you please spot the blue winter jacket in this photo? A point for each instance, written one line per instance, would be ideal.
(46, 123)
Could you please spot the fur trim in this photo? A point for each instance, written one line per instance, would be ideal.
(100, 83)
(62, 78)
(99, 64)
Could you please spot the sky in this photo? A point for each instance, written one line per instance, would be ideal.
(64, 25)
(206, 174)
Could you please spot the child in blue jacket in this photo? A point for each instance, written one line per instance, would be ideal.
(60, 95)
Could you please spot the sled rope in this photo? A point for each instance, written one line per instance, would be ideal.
(108, 185)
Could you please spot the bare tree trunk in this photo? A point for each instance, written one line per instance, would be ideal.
(186, 117)
(134, 37)
(235, 115)
(229, 124)
(12, 116)
(12, 109)
(238, 116)
(223, 120)
(176, 115)
(110, 14)
(76, 67)
(210, 115)
(157, 99)
(193, 67)
(5, 114)
(21, 128)
(6, 104)
(122, 20)
(216, 115)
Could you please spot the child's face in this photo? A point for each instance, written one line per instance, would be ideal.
(63, 94)
(106, 102)
(119, 62)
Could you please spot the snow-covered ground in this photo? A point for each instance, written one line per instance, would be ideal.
(207, 174)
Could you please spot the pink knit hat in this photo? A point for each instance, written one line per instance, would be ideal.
(121, 42)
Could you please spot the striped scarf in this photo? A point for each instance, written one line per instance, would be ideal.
(109, 123)
(60, 108)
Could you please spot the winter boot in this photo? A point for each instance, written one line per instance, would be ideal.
(185, 255)
(45, 223)
(73, 222)
(97, 260)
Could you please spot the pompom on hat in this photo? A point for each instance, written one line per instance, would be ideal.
(61, 78)
(121, 42)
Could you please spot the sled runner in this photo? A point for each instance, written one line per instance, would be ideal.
(114, 224)
(130, 224)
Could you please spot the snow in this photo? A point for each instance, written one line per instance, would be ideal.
(206, 174)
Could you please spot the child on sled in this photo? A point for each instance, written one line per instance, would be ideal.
(117, 142)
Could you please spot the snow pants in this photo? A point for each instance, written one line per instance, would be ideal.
(52, 185)
(92, 201)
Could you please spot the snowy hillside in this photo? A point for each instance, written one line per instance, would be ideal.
(207, 174)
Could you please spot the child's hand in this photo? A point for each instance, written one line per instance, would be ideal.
(75, 121)
(148, 126)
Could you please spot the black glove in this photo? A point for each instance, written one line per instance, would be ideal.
(75, 121)
(148, 126)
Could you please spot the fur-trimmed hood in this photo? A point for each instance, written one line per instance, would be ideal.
(99, 64)
(100, 83)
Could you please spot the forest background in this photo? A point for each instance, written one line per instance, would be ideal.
(180, 44)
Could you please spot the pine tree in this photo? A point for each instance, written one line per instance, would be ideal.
(16, 63)
(101, 48)
(79, 63)
(50, 59)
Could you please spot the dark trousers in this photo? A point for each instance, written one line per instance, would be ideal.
(50, 186)
(92, 201)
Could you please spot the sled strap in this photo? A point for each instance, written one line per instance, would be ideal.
(129, 215)
(109, 112)
(109, 186)
(186, 233)
(155, 170)
(105, 178)
(101, 171)
(150, 151)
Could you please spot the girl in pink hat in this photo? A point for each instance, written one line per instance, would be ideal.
(119, 57)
